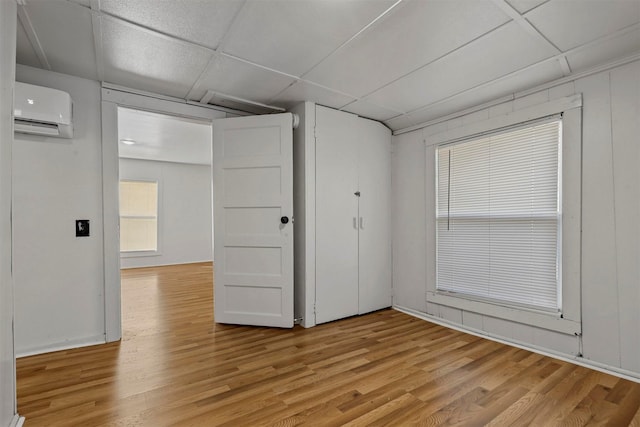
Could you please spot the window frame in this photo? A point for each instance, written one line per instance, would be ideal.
(142, 253)
(569, 319)
(557, 217)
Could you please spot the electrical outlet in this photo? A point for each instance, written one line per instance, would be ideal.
(82, 227)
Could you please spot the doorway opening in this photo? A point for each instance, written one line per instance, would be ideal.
(165, 208)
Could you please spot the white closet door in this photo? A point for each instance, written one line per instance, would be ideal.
(336, 215)
(253, 236)
(375, 216)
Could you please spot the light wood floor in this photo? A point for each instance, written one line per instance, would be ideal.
(174, 367)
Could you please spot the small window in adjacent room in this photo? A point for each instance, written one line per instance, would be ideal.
(138, 216)
(499, 217)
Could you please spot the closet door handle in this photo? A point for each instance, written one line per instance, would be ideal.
(355, 222)
(361, 224)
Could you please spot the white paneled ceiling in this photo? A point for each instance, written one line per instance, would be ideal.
(398, 61)
(151, 136)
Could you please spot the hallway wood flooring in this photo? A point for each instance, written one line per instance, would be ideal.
(175, 367)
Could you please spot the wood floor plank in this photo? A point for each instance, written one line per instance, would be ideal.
(175, 366)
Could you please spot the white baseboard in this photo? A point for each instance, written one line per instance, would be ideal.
(607, 369)
(67, 345)
(17, 421)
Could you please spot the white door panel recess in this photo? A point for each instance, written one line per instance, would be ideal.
(253, 230)
(353, 220)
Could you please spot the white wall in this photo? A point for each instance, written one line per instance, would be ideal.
(7, 76)
(59, 279)
(610, 231)
(184, 212)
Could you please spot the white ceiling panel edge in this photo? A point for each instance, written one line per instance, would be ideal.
(197, 84)
(25, 20)
(352, 38)
(96, 23)
(127, 90)
(520, 94)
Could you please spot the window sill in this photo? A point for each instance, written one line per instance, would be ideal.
(541, 319)
(139, 254)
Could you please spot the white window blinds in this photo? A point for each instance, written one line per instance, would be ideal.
(498, 217)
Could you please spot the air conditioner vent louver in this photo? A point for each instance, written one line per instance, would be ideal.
(38, 128)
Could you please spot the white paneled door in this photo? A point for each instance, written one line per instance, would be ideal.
(253, 230)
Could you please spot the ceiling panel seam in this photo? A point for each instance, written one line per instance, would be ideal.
(559, 58)
(255, 64)
(355, 36)
(318, 85)
(153, 31)
(455, 115)
(211, 93)
(553, 59)
(96, 24)
(519, 94)
(441, 57)
(229, 30)
(196, 84)
(394, 110)
(23, 16)
(215, 52)
(564, 64)
(524, 23)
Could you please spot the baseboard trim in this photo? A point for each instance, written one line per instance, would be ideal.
(205, 262)
(601, 367)
(17, 421)
(67, 345)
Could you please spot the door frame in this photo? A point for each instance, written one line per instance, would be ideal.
(112, 98)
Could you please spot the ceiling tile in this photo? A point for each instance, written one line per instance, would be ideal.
(286, 35)
(143, 60)
(605, 51)
(415, 33)
(371, 111)
(243, 80)
(202, 21)
(505, 50)
(25, 54)
(572, 23)
(523, 6)
(303, 91)
(534, 76)
(65, 32)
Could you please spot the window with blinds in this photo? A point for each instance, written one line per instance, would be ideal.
(498, 217)
(138, 216)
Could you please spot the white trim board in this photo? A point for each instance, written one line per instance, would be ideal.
(576, 360)
(519, 116)
(17, 421)
(66, 345)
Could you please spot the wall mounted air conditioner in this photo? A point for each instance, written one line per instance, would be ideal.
(42, 111)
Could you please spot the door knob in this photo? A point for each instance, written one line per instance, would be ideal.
(284, 219)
